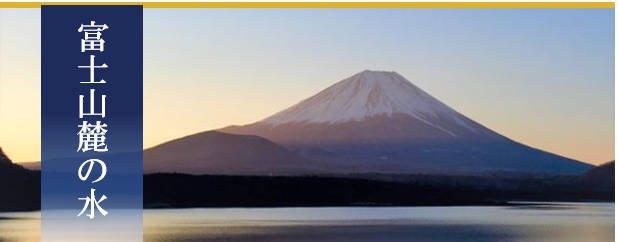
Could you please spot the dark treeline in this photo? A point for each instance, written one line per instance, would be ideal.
(20, 189)
(183, 191)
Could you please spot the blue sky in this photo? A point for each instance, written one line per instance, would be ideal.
(544, 77)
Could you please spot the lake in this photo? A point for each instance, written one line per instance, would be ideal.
(564, 222)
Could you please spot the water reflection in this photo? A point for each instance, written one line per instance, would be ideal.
(20, 227)
(64, 225)
(526, 223)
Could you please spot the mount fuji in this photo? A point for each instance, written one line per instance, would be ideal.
(377, 121)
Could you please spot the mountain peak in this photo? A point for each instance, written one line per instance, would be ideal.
(377, 121)
(378, 78)
(376, 72)
(368, 94)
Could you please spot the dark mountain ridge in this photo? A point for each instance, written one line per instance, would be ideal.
(601, 177)
(215, 152)
(20, 188)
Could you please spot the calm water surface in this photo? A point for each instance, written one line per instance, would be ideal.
(527, 223)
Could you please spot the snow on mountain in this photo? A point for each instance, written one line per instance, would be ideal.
(368, 94)
(377, 121)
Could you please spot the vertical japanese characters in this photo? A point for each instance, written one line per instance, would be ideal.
(92, 137)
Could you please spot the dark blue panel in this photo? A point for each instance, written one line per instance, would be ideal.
(61, 54)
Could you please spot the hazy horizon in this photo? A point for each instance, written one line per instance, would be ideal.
(542, 77)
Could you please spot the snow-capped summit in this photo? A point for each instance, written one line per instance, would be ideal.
(360, 96)
(372, 93)
(377, 121)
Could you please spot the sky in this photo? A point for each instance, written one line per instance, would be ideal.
(543, 77)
